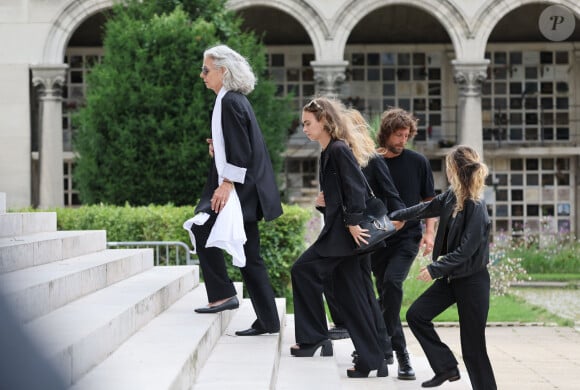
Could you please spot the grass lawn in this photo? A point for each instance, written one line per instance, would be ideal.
(555, 277)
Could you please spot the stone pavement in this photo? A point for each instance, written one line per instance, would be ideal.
(523, 357)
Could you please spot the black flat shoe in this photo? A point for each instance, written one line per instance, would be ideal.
(451, 376)
(356, 372)
(308, 350)
(254, 332)
(230, 304)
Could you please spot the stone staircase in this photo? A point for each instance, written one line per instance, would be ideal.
(108, 319)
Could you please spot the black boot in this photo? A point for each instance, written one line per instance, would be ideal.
(405, 371)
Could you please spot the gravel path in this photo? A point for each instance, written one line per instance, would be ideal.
(564, 302)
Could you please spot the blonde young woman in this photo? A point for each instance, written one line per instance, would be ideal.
(342, 200)
(459, 271)
(379, 178)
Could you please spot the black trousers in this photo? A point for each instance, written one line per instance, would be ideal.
(337, 318)
(471, 294)
(255, 276)
(391, 266)
(308, 276)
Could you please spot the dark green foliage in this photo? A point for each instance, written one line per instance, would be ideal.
(141, 136)
(282, 240)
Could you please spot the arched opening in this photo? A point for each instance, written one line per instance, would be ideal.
(83, 51)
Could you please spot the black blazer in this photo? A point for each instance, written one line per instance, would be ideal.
(245, 148)
(342, 181)
(466, 236)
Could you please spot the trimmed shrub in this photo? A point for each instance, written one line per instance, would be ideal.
(282, 240)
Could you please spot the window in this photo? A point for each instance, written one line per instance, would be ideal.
(525, 95)
(379, 77)
(534, 194)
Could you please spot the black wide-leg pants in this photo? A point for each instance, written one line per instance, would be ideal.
(337, 317)
(471, 294)
(308, 276)
(255, 275)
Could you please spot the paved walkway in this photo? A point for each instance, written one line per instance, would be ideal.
(523, 358)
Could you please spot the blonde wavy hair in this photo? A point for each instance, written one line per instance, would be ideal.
(361, 143)
(466, 173)
(341, 123)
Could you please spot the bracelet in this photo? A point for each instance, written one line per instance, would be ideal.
(228, 181)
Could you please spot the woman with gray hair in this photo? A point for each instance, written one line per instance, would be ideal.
(240, 190)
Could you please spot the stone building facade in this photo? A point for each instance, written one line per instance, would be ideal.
(500, 75)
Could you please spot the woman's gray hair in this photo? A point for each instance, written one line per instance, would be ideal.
(238, 75)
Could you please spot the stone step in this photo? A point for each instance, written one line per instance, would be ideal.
(38, 290)
(242, 362)
(20, 224)
(83, 333)
(317, 372)
(40, 248)
(167, 353)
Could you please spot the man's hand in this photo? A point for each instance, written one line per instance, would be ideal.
(424, 275)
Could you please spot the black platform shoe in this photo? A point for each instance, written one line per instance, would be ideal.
(356, 372)
(308, 350)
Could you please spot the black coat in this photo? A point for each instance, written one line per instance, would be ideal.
(466, 236)
(342, 182)
(245, 148)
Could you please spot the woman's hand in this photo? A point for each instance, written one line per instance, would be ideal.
(398, 224)
(210, 146)
(359, 234)
(319, 202)
(221, 195)
(424, 275)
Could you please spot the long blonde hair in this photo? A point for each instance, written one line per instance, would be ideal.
(339, 123)
(466, 173)
(361, 143)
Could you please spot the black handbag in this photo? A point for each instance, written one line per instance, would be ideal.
(375, 220)
(377, 223)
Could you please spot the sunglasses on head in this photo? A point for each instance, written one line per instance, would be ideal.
(204, 70)
(314, 106)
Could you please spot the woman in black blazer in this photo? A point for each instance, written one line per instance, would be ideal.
(241, 165)
(342, 200)
(459, 269)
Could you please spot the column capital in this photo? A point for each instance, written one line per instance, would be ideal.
(469, 75)
(329, 76)
(49, 80)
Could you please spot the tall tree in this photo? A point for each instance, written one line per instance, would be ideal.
(141, 136)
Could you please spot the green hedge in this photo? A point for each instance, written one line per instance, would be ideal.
(282, 240)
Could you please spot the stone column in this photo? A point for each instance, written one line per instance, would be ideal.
(48, 81)
(469, 75)
(329, 76)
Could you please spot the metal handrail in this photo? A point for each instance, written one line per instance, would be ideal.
(157, 246)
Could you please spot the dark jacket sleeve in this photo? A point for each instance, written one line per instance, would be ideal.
(430, 209)
(380, 179)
